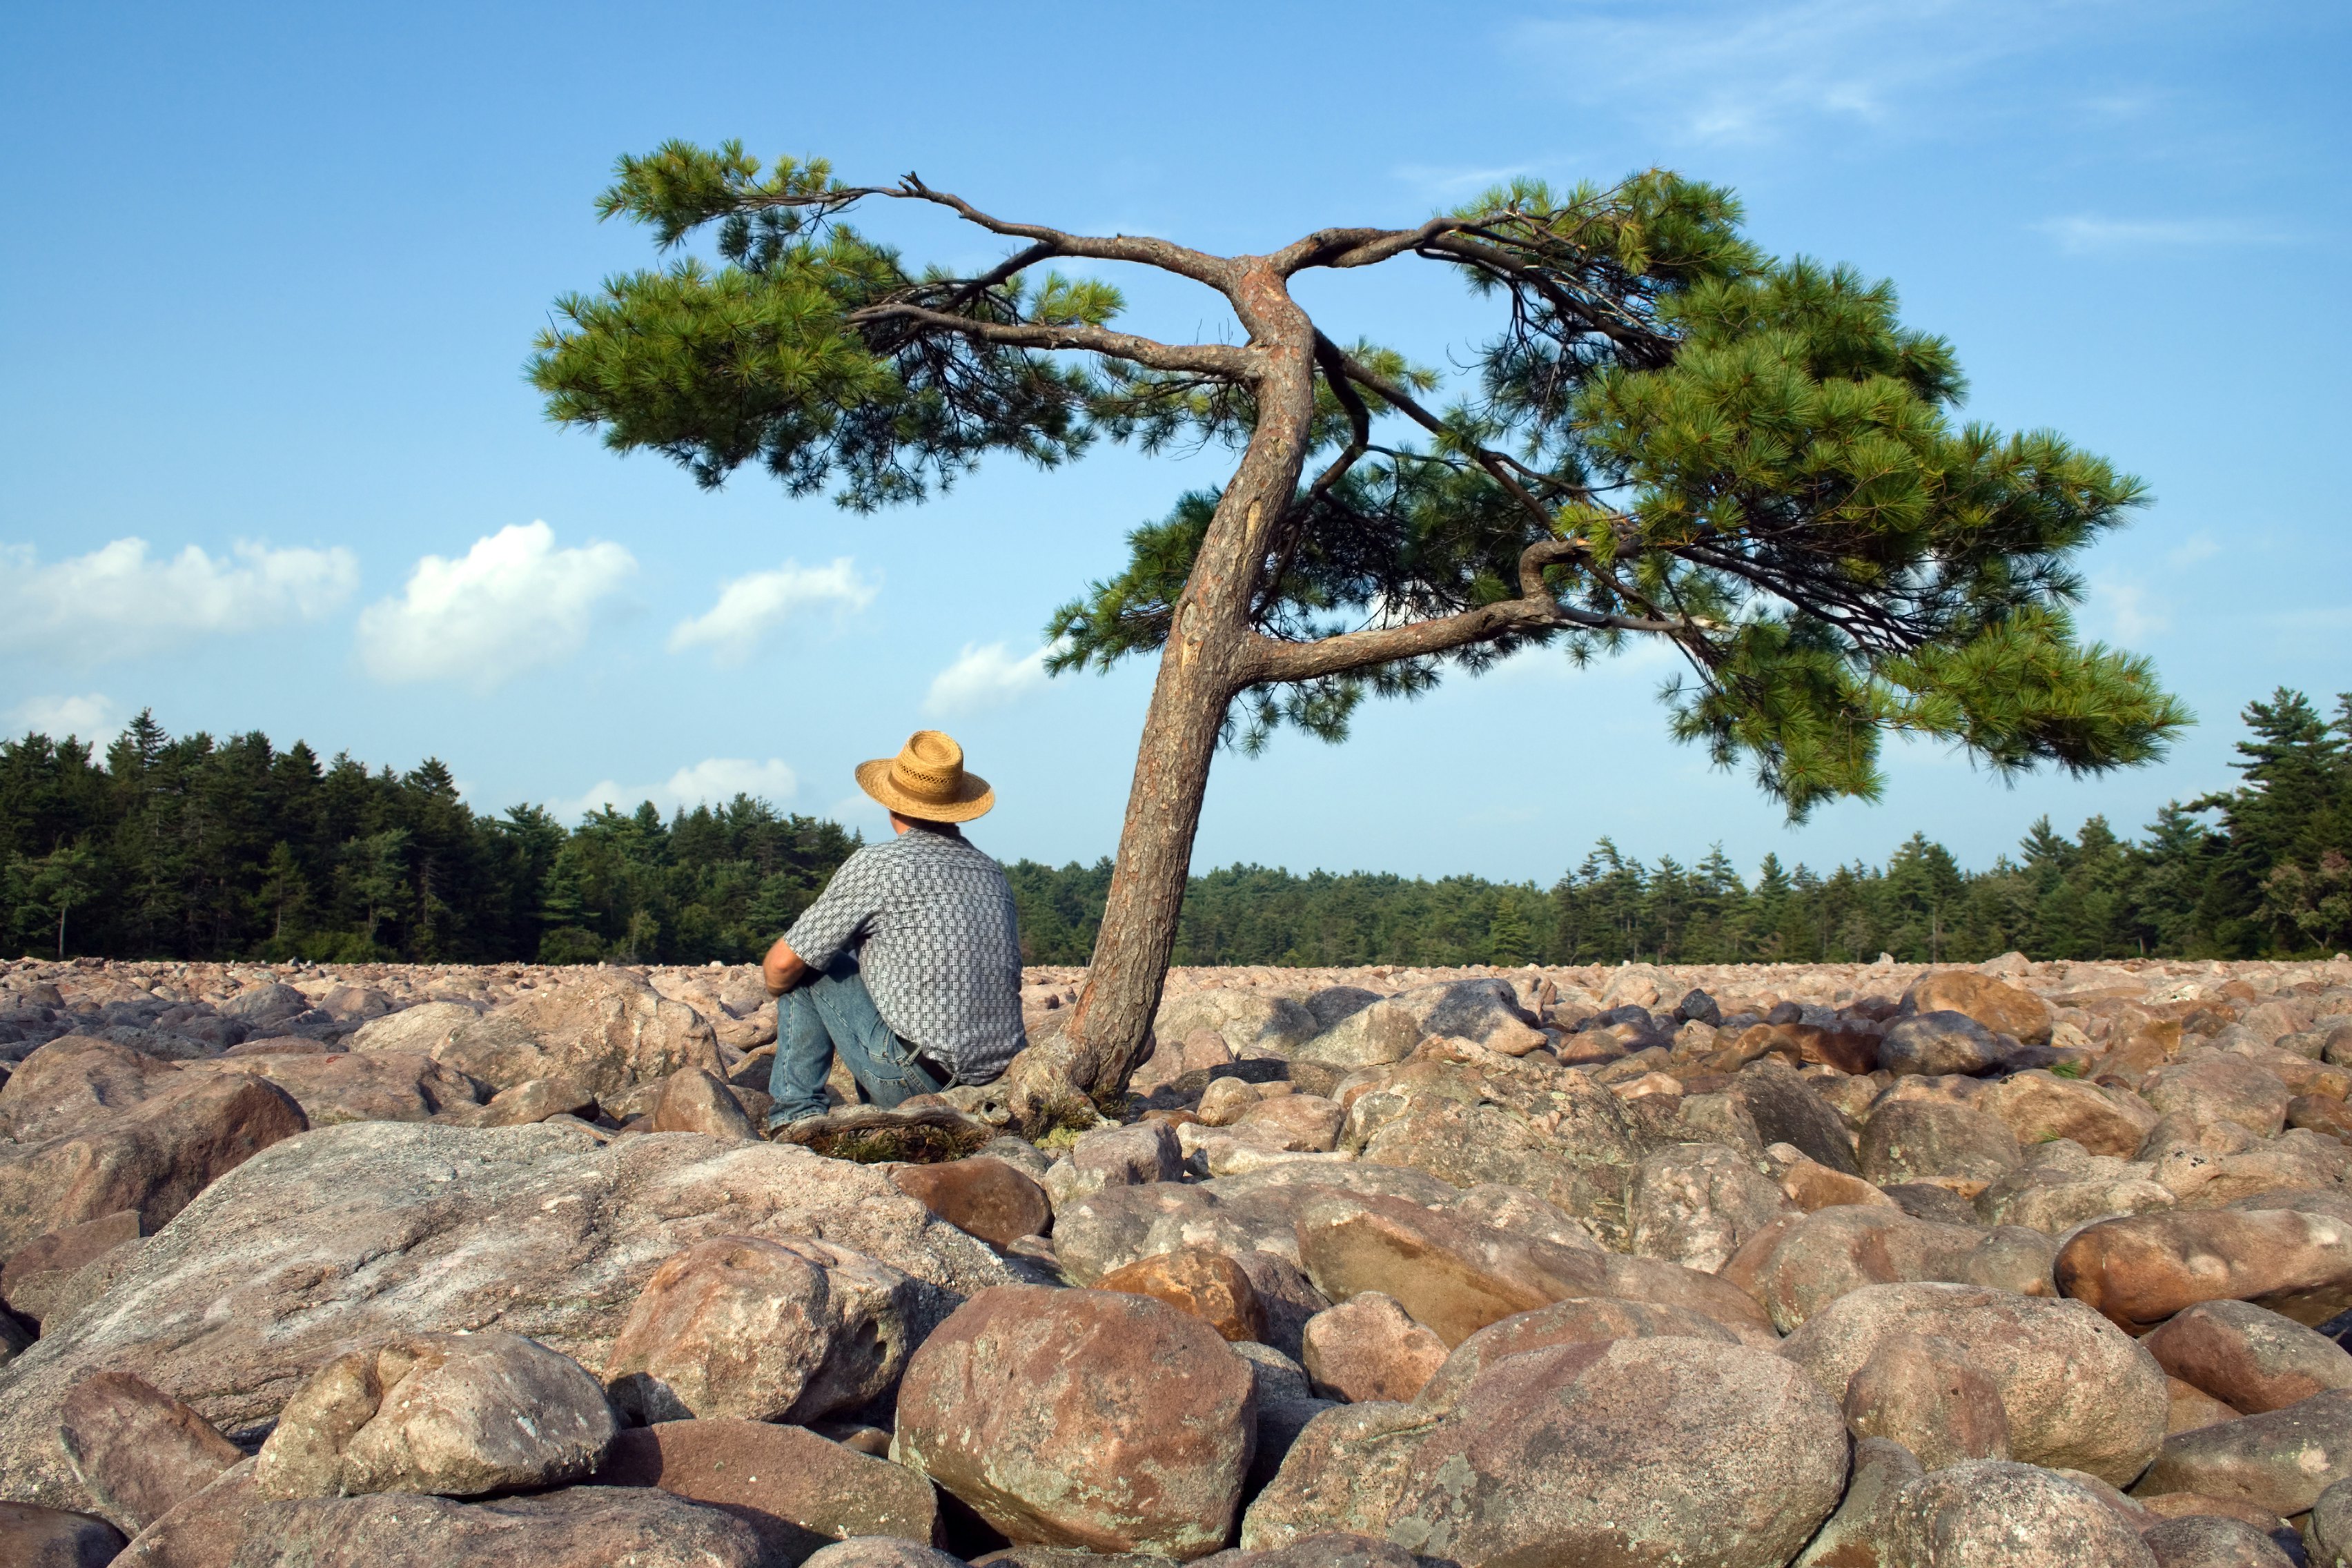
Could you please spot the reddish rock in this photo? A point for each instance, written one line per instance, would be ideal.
(1200, 1280)
(2220, 1086)
(2142, 1269)
(525, 1103)
(2190, 1505)
(2080, 1393)
(2001, 1008)
(798, 1490)
(1924, 1392)
(1589, 1321)
(2039, 1106)
(2280, 1460)
(229, 1525)
(358, 1085)
(1087, 1418)
(2192, 1408)
(2250, 1357)
(695, 1099)
(1635, 1451)
(1456, 1276)
(154, 1157)
(1813, 1187)
(139, 1451)
(76, 1081)
(33, 1275)
(1368, 1347)
(1306, 1124)
(2320, 1113)
(1831, 1253)
(981, 1195)
(2008, 1515)
(766, 1330)
(2205, 1540)
(36, 1537)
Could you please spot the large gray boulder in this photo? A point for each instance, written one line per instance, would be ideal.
(352, 1231)
(608, 1031)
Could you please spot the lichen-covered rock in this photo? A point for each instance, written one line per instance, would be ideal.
(1907, 1138)
(2039, 1105)
(1594, 1320)
(453, 1415)
(1928, 1393)
(1695, 1203)
(2249, 1357)
(1833, 1252)
(604, 1029)
(350, 1232)
(1367, 1348)
(1989, 1514)
(1087, 1418)
(140, 1452)
(799, 1491)
(2281, 1460)
(765, 1329)
(2080, 1393)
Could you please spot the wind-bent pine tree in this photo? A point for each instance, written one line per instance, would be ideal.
(1669, 434)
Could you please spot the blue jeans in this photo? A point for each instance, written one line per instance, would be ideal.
(835, 1012)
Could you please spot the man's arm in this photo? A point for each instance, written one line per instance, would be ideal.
(782, 968)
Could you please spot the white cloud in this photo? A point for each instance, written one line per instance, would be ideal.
(714, 781)
(2198, 546)
(985, 676)
(86, 717)
(2086, 234)
(1746, 76)
(2131, 610)
(119, 602)
(751, 607)
(513, 603)
(1439, 181)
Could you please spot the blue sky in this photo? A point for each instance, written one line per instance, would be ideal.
(268, 459)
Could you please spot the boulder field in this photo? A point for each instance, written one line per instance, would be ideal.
(2014, 1265)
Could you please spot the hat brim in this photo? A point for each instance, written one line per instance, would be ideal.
(973, 799)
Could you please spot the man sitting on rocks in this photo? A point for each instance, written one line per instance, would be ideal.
(908, 963)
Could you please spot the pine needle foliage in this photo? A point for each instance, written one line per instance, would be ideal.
(1668, 434)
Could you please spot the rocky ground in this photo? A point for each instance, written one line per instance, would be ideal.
(2023, 1264)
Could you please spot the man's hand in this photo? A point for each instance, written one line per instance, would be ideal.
(782, 968)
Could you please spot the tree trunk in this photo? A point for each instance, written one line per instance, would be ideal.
(1206, 663)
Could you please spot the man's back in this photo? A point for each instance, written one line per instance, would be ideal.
(931, 921)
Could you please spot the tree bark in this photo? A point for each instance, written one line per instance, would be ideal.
(1210, 657)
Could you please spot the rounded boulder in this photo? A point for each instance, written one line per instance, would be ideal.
(1661, 1450)
(2080, 1393)
(1095, 1419)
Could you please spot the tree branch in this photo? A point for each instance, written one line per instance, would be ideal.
(1208, 359)
(1217, 272)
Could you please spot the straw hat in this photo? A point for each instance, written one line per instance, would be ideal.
(926, 780)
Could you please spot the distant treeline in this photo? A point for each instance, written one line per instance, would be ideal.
(191, 848)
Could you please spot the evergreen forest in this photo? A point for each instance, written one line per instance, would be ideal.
(195, 848)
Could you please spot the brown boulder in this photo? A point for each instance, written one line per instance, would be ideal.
(2003, 1009)
(1924, 1392)
(2080, 1393)
(534, 1100)
(2006, 1516)
(2203, 1541)
(454, 1414)
(780, 1330)
(1695, 1203)
(139, 1451)
(799, 1491)
(1200, 1280)
(153, 1157)
(359, 1086)
(33, 1275)
(2250, 1357)
(1811, 1185)
(75, 1081)
(1658, 1450)
(32, 1536)
(2142, 1269)
(2193, 1407)
(230, 1524)
(2220, 1086)
(2280, 1460)
(605, 1030)
(1301, 1122)
(1087, 1418)
(1457, 1276)
(2039, 1106)
(1905, 1140)
(1834, 1251)
(1367, 1348)
(694, 1100)
(1587, 1320)
(980, 1194)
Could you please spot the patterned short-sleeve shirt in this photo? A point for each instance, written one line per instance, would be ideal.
(933, 923)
